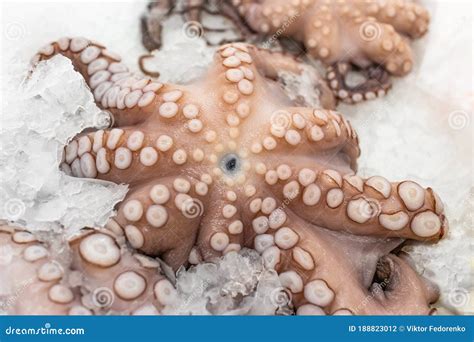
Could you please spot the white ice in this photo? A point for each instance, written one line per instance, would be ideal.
(422, 130)
(39, 117)
(237, 284)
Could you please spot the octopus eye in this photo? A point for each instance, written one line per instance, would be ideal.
(383, 278)
(383, 273)
(230, 163)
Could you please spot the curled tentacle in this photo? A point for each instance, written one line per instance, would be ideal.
(374, 82)
(143, 68)
(115, 87)
(150, 23)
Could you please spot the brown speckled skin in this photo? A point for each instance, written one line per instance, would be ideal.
(260, 173)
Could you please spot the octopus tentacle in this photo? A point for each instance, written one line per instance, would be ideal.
(316, 131)
(292, 126)
(371, 25)
(304, 255)
(152, 214)
(132, 154)
(388, 293)
(27, 268)
(150, 24)
(230, 163)
(271, 62)
(193, 10)
(385, 47)
(222, 230)
(101, 277)
(407, 17)
(373, 206)
(323, 44)
(267, 17)
(376, 82)
(114, 86)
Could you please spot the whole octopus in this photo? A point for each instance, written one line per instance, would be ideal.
(222, 164)
(367, 37)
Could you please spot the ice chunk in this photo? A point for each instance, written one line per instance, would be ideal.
(451, 271)
(236, 284)
(184, 55)
(303, 88)
(41, 116)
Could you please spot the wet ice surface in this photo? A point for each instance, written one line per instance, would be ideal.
(38, 119)
(449, 262)
(302, 86)
(237, 284)
(422, 131)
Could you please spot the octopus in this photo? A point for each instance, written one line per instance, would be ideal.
(283, 64)
(368, 39)
(151, 22)
(216, 166)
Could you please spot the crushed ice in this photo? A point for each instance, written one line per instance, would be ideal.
(236, 284)
(41, 115)
(184, 55)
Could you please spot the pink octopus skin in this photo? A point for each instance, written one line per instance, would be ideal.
(225, 163)
(102, 277)
(342, 30)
